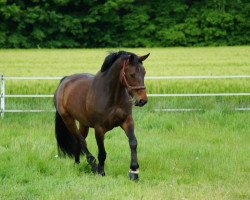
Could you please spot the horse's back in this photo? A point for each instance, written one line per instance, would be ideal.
(75, 77)
(70, 96)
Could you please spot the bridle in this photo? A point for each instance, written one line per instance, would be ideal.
(124, 81)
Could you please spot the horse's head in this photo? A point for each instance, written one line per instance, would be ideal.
(132, 77)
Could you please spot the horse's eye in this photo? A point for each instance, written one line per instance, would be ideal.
(132, 75)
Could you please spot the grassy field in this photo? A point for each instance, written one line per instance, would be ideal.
(196, 155)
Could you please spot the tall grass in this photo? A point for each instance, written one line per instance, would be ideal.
(198, 155)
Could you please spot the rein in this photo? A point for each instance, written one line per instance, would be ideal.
(124, 80)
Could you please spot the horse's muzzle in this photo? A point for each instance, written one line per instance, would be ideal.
(141, 102)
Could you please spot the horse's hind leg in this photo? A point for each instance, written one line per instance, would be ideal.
(90, 158)
(81, 145)
(99, 134)
(71, 125)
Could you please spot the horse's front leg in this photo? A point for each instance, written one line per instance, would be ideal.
(128, 127)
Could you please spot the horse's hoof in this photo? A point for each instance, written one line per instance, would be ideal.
(133, 175)
(94, 168)
(101, 170)
(101, 173)
(91, 160)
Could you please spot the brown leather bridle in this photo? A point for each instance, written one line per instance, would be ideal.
(124, 81)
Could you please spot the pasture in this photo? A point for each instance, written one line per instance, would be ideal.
(184, 155)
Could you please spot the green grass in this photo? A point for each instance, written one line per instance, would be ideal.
(198, 155)
(182, 156)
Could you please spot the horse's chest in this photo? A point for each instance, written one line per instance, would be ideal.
(115, 118)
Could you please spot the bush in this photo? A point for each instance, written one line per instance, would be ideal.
(123, 23)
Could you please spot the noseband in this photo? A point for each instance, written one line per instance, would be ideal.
(124, 80)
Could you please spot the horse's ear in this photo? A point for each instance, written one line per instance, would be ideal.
(131, 58)
(142, 58)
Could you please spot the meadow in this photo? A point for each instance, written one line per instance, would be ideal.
(182, 155)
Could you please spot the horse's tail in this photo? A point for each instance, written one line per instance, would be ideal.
(66, 142)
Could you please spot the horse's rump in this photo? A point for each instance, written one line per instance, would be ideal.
(71, 94)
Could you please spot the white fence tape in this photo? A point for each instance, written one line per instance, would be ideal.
(197, 77)
(147, 77)
(199, 95)
(3, 95)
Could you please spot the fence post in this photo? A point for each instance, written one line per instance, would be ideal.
(2, 108)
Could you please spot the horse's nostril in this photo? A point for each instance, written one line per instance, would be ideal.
(142, 102)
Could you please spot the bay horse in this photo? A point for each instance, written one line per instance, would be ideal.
(102, 102)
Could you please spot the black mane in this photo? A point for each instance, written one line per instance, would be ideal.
(113, 56)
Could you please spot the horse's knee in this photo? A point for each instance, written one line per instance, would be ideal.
(133, 144)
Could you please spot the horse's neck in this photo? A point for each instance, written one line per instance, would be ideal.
(109, 85)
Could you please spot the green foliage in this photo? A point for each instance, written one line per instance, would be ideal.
(127, 23)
